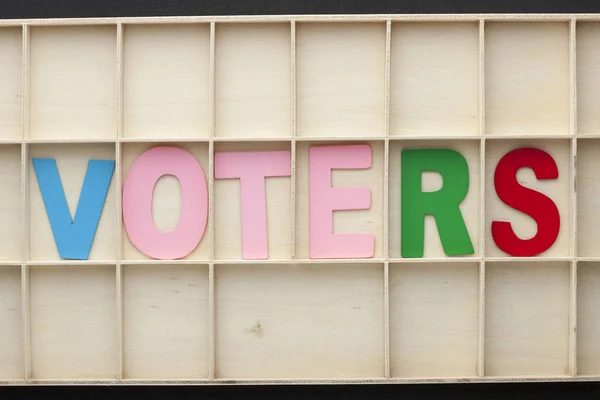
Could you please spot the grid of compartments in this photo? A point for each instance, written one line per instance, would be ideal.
(481, 87)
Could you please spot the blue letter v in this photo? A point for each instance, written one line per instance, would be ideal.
(74, 237)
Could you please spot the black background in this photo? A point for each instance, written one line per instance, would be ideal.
(144, 8)
(10, 9)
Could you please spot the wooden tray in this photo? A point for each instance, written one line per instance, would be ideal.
(482, 85)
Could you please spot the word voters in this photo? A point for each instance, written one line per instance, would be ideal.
(74, 236)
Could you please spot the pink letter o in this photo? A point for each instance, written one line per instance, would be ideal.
(138, 191)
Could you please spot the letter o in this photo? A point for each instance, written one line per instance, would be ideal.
(138, 191)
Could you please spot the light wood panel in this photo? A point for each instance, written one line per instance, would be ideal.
(588, 78)
(72, 81)
(588, 207)
(588, 297)
(434, 319)
(340, 79)
(10, 203)
(527, 319)
(434, 79)
(10, 84)
(73, 322)
(11, 345)
(253, 70)
(166, 81)
(165, 321)
(269, 325)
(527, 78)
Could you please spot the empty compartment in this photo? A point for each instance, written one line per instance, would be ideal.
(368, 221)
(299, 321)
(432, 181)
(10, 203)
(434, 85)
(73, 322)
(434, 319)
(588, 318)
(229, 197)
(253, 80)
(10, 84)
(11, 334)
(166, 199)
(73, 81)
(165, 322)
(557, 190)
(166, 81)
(588, 78)
(340, 79)
(527, 319)
(72, 165)
(527, 78)
(588, 203)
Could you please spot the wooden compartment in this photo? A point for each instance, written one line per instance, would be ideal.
(11, 329)
(227, 208)
(72, 163)
(588, 78)
(434, 319)
(73, 322)
(558, 190)
(11, 81)
(11, 236)
(270, 325)
(355, 221)
(166, 200)
(340, 72)
(166, 81)
(588, 203)
(73, 75)
(253, 80)
(432, 181)
(527, 78)
(434, 79)
(588, 318)
(527, 313)
(165, 321)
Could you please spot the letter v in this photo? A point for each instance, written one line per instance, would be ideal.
(74, 238)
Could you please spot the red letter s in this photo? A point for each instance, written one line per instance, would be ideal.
(535, 204)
